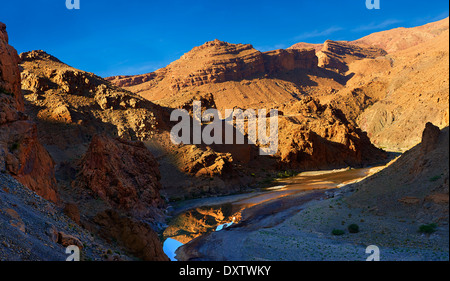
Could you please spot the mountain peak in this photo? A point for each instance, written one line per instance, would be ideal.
(37, 55)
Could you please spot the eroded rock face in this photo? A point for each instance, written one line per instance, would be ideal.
(82, 102)
(236, 74)
(123, 173)
(430, 137)
(137, 237)
(21, 153)
(9, 71)
(337, 55)
(316, 136)
(416, 185)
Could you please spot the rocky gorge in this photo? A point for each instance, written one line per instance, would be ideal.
(89, 161)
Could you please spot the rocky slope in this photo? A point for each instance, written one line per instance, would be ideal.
(21, 153)
(315, 136)
(34, 229)
(389, 208)
(392, 97)
(415, 186)
(397, 81)
(235, 74)
(123, 173)
(68, 108)
(401, 38)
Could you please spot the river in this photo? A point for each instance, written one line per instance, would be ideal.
(194, 218)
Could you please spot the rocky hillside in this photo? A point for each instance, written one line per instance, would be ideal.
(236, 75)
(397, 80)
(123, 173)
(21, 153)
(401, 38)
(315, 136)
(392, 97)
(415, 186)
(34, 229)
(63, 111)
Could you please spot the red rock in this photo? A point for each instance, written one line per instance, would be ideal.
(123, 173)
(20, 150)
(137, 237)
(430, 137)
(72, 211)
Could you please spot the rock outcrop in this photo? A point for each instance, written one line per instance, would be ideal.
(123, 173)
(21, 153)
(235, 74)
(217, 61)
(415, 186)
(338, 55)
(137, 237)
(316, 136)
(9, 71)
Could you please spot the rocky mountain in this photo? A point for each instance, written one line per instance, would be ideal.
(21, 153)
(393, 96)
(397, 81)
(64, 110)
(312, 134)
(401, 38)
(237, 75)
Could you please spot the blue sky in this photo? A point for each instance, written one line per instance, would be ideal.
(112, 37)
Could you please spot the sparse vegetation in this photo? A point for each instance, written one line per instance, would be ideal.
(287, 174)
(428, 228)
(353, 228)
(337, 232)
(435, 178)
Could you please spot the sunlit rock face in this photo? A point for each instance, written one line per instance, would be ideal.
(21, 153)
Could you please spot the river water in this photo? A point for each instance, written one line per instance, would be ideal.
(283, 189)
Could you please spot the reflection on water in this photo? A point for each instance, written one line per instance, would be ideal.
(215, 217)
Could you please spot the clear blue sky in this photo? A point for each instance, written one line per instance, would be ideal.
(112, 37)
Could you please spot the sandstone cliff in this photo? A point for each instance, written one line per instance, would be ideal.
(390, 97)
(316, 136)
(396, 80)
(21, 153)
(237, 75)
(123, 173)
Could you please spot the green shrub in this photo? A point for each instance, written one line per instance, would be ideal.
(353, 228)
(435, 178)
(428, 228)
(286, 174)
(338, 232)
